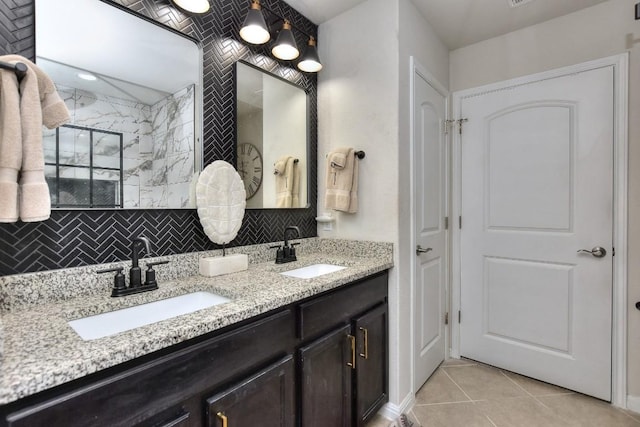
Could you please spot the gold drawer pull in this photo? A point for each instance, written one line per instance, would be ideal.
(352, 341)
(223, 418)
(366, 343)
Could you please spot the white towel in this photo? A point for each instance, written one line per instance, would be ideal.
(287, 176)
(38, 103)
(342, 181)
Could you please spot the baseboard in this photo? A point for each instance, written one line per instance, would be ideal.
(392, 411)
(633, 403)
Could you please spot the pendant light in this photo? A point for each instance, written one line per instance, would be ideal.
(310, 61)
(197, 7)
(254, 29)
(285, 47)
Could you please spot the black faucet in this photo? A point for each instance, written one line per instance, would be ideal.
(135, 273)
(287, 253)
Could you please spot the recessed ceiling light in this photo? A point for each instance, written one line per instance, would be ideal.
(87, 76)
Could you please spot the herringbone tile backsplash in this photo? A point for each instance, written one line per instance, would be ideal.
(74, 238)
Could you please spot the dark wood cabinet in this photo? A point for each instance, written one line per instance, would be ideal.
(264, 399)
(344, 372)
(371, 363)
(325, 397)
(317, 362)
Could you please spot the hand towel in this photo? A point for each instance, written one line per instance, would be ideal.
(284, 181)
(337, 159)
(39, 103)
(342, 182)
(10, 145)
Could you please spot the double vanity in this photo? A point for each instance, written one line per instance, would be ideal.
(297, 344)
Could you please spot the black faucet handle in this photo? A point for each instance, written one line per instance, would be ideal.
(150, 274)
(110, 270)
(118, 280)
(151, 264)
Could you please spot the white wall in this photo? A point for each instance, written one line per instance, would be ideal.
(363, 101)
(599, 31)
(357, 107)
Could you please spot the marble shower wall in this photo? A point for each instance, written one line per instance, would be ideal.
(158, 145)
(169, 181)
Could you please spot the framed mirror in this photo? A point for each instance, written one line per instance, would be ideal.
(134, 91)
(272, 134)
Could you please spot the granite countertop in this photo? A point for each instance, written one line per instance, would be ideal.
(39, 350)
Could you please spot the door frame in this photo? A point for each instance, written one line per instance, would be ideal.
(415, 67)
(620, 179)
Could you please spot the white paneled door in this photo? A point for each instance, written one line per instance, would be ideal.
(537, 220)
(430, 202)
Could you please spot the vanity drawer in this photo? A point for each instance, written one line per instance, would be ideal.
(339, 306)
(137, 394)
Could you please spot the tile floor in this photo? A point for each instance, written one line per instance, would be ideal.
(464, 393)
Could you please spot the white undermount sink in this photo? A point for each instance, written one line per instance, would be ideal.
(113, 322)
(311, 271)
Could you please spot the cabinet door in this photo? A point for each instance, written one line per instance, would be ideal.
(371, 366)
(265, 399)
(326, 380)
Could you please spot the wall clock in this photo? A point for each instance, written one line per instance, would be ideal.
(250, 167)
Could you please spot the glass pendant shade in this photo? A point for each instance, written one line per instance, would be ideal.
(285, 47)
(254, 29)
(310, 61)
(193, 6)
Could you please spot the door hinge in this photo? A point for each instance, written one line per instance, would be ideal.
(460, 122)
(459, 316)
(446, 222)
(447, 125)
(460, 222)
(613, 251)
(446, 318)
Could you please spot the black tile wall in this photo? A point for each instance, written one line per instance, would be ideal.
(74, 238)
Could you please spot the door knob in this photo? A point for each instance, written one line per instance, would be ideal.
(597, 252)
(421, 250)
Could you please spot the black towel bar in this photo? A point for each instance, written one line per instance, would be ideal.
(19, 68)
(359, 154)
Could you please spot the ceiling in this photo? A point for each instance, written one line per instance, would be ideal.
(460, 23)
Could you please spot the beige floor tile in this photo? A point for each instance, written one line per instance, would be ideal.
(634, 415)
(458, 362)
(535, 387)
(451, 415)
(580, 410)
(481, 382)
(521, 412)
(378, 421)
(440, 389)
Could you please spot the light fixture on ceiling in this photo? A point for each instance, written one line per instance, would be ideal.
(254, 29)
(310, 61)
(197, 7)
(285, 47)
